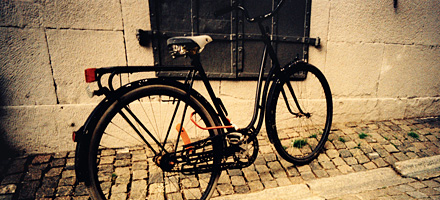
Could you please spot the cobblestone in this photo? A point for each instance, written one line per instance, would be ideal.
(338, 161)
(373, 155)
(13, 178)
(333, 172)
(255, 186)
(28, 190)
(251, 175)
(54, 172)
(351, 161)
(351, 145)
(52, 176)
(332, 153)
(235, 172)
(370, 165)
(270, 184)
(358, 168)
(345, 169)
(225, 189)
(41, 159)
(241, 189)
(380, 162)
(266, 176)
(64, 190)
(328, 165)
(307, 176)
(8, 189)
(345, 153)
(238, 180)
(67, 181)
(320, 173)
(17, 166)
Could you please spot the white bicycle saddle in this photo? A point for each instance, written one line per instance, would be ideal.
(190, 42)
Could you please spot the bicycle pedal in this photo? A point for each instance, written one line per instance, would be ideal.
(235, 138)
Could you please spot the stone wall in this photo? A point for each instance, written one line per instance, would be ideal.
(381, 62)
(44, 48)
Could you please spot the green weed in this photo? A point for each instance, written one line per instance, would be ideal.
(394, 145)
(362, 135)
(299, 143)
(413, 134)
(113, 177)
(341, 139)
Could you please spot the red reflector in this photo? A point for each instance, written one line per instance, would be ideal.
(74, 136)
(90, 75)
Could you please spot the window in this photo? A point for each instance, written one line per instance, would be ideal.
(236, 50)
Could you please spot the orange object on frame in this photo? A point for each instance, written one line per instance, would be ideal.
(183, 134)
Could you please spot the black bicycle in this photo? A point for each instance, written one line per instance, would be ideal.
(182, 141)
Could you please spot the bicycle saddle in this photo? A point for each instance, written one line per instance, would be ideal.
(188, 44)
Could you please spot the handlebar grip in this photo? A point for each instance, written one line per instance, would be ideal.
(223, 11)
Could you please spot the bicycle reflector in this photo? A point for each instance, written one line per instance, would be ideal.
(74, 136)
(90, 75)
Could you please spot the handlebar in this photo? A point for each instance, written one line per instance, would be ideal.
(246, 13)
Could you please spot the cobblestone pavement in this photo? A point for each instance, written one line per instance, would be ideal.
(352, 147)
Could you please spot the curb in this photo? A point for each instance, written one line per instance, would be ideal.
(421, 168)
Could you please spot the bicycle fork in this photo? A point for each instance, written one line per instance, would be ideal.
(300, 113)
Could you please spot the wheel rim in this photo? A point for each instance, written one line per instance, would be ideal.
(128, 168)
(302, 124)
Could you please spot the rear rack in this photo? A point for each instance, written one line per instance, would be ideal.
(96, 74)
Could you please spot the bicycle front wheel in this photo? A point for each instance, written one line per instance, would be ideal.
(299, 113)
(133, 147)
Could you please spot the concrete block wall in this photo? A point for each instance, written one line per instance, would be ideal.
(381, 62)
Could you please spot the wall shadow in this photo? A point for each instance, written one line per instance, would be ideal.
(7, 149)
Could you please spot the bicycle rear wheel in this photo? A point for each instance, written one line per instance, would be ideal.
(131, 151)
(299, 113)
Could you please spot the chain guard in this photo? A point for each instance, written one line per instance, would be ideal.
(199, 157)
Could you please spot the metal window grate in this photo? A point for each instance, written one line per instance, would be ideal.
(237, 48)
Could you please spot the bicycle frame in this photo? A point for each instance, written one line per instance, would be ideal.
(256, 122)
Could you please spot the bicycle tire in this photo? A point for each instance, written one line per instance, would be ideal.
(299, 127)
(120, 163)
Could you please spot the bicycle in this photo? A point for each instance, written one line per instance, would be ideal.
(182, 141)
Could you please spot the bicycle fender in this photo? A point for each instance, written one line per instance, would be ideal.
(82, 138)
(286, 71)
